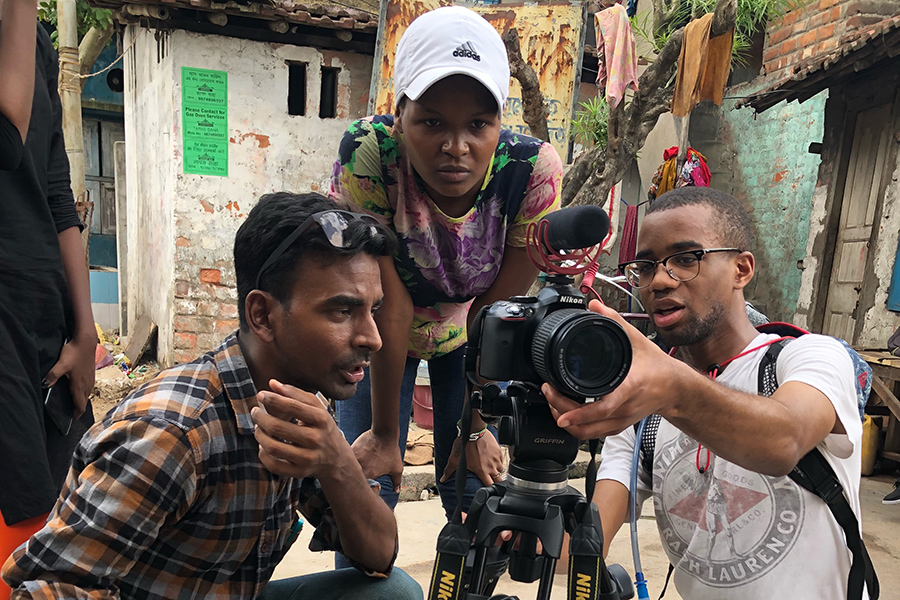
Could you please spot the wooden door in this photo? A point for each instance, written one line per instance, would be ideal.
(861, 197)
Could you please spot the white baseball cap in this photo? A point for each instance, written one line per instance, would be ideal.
(452, 40)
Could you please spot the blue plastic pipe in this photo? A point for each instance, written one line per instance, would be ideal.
(640, 583)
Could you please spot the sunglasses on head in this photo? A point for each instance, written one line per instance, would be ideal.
(334, 224)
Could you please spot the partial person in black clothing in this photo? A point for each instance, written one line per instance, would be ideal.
(47, 335)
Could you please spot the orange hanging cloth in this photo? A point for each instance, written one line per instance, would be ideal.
(703, 66)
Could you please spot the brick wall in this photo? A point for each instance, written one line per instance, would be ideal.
(818, 28)
(206, 307)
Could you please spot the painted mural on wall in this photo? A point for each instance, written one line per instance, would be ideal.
(550, 36)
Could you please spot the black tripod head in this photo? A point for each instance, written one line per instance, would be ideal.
(538, 448)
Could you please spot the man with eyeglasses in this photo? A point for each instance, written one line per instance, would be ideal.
(731, 521)
(193, 486)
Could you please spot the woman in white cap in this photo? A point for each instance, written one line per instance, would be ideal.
(459, 191)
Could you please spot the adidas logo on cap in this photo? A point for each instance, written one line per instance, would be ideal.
(467, 50)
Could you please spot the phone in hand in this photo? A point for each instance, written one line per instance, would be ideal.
(59, 406)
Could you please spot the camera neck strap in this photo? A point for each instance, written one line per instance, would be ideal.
(587, 571)
(453, 542)
(450, 563)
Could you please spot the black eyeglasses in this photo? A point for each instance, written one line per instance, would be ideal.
(681, 266)
(334, 224)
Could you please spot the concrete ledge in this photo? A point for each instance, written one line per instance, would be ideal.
(418, 479)
(415, 481)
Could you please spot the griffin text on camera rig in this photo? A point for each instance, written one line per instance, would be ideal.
(526, 341)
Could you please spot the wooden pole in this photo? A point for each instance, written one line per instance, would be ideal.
(121, 234)
(70, 97)
(682, 127)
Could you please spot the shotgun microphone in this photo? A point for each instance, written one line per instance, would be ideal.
(576, 227)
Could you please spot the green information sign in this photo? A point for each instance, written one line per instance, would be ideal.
(206, 158)
(204, 121)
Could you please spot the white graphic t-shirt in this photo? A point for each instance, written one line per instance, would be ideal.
(736, 534)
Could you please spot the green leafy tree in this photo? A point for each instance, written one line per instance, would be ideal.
(94, 30)
(88, 18)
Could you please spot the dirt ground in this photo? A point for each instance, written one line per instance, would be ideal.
(112, 385)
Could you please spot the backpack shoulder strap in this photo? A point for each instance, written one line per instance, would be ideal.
(648, 442)
(814, 474)
(862, 370)
(767, 381)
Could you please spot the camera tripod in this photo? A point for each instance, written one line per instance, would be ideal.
(536, 503)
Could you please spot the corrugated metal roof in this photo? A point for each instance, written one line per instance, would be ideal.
(860, 50)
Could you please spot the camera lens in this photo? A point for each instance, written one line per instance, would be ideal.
(584, 355)
(581, 353)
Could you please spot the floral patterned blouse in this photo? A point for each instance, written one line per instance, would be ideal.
(445, 261)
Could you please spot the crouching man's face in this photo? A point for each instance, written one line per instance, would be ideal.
(324, 336)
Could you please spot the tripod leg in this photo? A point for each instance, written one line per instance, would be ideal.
(546, 584)
(476, 580)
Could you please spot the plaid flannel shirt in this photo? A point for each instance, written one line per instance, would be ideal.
(167, 498)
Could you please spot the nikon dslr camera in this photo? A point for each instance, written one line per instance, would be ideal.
(552, 337)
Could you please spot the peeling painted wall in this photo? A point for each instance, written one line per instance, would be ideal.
(550, 36)
(763, 161)
(188, 282)
(150, 164)
(813, 262)
(775, 178)
(878, 322)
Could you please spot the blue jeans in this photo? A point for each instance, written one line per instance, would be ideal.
(343, 584)
(448, 389)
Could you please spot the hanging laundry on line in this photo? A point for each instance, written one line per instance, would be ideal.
(694, 172)
(616, 54)
(703, 66)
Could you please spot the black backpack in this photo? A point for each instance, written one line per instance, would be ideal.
(813, 473)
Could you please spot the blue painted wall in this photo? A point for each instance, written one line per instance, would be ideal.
(96, 89)
(104, 287)
(763, 161)
(893, 300)
(105, 299)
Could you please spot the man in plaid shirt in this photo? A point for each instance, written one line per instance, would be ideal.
(192, 486)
